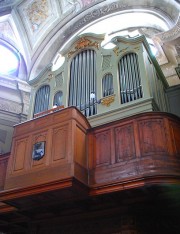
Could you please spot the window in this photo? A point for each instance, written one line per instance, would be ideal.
(107, 85)
(9, 60)
(58, 98)
(42, 99)
(129, 78)
(83, 82)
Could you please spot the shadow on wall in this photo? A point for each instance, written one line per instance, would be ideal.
(173, 94)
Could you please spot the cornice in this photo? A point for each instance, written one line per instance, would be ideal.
(171, 34)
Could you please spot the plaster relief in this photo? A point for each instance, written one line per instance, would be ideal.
(70, 5)
(59, 80)
(10, 106)
(7, 31)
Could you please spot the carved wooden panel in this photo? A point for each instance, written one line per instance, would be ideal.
(81, 147)
(3, 167)
(124, 143)
(60, 134)
(20, 153)
(59, 143)
(103, 148)
(115, 152)
(175, 129)
(152, 137)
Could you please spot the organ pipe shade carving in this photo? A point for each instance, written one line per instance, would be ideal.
(58, 98)
(129, 78)
(83, 82)
(42, 99)
(107, 85)
(59, 80)
(106, 62)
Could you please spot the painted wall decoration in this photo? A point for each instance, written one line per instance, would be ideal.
(75, 5)
(7, 31)
(38, 17)
(37, 12)
(70, 6)
(87, 2)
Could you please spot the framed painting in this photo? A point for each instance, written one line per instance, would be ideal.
(38, 150)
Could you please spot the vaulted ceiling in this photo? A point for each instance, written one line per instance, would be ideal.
(39, 28)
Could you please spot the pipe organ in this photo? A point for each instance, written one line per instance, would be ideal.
(125, 80)
(129, 78)
(83, 82)
(103, 159)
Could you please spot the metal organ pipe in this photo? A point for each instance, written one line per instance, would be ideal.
(83, 82)
(129, 78)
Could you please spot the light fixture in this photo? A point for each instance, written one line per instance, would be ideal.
(55, 106)
(92, 95)
(93, 98)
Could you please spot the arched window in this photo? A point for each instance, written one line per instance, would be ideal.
(129, 78)
(83, 82)
(42, 99)
(58, 98)
(107, 85)
(9, 60)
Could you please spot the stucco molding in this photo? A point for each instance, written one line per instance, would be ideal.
(10, 106)
(170, 35)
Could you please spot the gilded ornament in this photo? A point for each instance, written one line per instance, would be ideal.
(108, 100)
(37, 13)
(83, 43)
(50, 76)
(137, 48)
(123, 50)
(116, 51)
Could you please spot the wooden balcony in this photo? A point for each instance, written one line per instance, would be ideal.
(63, 133)
(131, 164)
(140, 150)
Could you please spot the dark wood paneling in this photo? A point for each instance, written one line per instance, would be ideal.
(3, 167)
(133, 165)
(125, 143)
(103, 148)
(129, 153)
(59, 143)
(80, 147)
(152, 137)
(175, 130)
(143, 146)
(60, 133)
(19, 154)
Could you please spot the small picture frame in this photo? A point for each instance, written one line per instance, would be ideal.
(38, 150)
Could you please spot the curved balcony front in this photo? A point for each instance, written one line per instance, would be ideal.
(140, 150)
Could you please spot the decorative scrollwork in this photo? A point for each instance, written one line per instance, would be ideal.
(116, 51)
(83, 43)
(108, 100)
